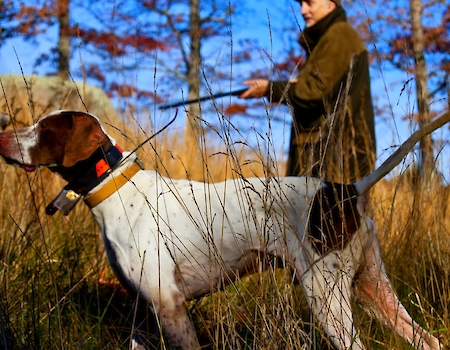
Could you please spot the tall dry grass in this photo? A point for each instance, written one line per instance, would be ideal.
(52, 295)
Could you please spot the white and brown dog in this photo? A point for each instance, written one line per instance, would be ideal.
(171, 241)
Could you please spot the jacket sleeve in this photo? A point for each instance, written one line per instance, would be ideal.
(275, 91)
(321, 76)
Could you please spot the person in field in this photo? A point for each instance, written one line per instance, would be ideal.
(332, 135)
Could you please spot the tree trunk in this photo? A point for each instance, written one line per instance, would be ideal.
(427, 165)
(193, 126)
(193, 132)
(447, 85)
(64, 39)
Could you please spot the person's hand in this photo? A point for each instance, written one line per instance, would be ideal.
(257, 88)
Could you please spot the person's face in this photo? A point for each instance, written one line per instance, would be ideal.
(314, 10)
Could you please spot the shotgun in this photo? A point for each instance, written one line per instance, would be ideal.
(205, 98)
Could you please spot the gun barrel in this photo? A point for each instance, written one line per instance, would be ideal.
(204, 98)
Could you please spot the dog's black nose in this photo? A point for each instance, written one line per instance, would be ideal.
(5, 120)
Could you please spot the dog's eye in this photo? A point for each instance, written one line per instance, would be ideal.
(43, 126)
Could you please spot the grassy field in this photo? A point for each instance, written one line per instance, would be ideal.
(57, 292)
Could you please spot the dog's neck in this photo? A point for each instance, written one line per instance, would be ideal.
(88, 173)
(84, 176)
(130, 165)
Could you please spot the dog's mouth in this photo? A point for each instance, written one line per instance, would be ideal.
(26, 167)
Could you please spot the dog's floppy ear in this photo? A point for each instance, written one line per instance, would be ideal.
(85, 138)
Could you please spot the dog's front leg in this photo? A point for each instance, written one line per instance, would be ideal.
(174, 322)
(142, 330)
(172, 318)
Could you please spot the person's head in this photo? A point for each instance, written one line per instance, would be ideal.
(314, 10)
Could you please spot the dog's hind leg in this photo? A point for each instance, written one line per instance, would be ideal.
(374, 292)
(327, 285)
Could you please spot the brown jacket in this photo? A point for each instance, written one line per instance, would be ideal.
(333, 133)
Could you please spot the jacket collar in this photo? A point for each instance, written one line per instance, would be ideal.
(311, 36)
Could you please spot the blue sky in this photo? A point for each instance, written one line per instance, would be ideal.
(386, 82)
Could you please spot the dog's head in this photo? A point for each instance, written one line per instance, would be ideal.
(59, 139)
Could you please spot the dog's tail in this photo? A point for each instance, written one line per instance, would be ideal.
(370, 180)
